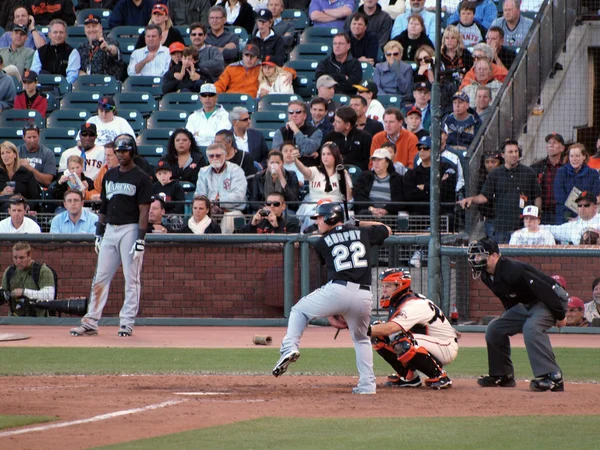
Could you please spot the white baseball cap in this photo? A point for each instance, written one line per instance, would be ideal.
(531, 211)
(382, 153)
(208, 88)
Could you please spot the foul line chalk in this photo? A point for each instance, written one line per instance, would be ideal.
(92, 419)
(201, 393)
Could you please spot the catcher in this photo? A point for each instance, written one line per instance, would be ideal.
(417, 336)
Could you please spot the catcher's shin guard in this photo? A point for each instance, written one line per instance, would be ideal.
(391, 358)
(416, 358)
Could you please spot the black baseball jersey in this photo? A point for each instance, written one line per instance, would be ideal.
(346, 251)
(122, 193)
(517, 282)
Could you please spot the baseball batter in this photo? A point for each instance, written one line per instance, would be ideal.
(417, 335)
(345, 250)
(120, 233)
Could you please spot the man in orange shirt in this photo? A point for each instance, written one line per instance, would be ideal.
(405, 141)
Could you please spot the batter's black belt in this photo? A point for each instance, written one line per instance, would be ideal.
(364, 287)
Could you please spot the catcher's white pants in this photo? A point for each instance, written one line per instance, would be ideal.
(445, 350)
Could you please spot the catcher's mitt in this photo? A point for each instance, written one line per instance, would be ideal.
(338, 321)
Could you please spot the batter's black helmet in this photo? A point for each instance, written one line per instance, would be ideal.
(332, 213)
(126, 142)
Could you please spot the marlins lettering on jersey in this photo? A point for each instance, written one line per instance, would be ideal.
(113, 188)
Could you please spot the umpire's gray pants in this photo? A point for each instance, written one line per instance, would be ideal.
(115, 249)
(533, 322)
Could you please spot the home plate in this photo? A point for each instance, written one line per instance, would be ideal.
(201, 393)
(13, 337)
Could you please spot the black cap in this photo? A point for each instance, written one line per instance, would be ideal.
(20, 28)
(163, 165)
(422, 85)
(556, 136)
(264, 14)
(92, 18)
(587, 196)
(90, 127)
(30, 76)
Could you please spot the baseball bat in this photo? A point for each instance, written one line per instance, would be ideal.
(343, 188)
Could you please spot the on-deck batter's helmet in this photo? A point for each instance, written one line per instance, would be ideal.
(332, 213)
(478, 253)
(400, 277)
(126, 142)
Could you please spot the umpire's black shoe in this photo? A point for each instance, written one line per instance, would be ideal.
(549, 382)
(492, 381)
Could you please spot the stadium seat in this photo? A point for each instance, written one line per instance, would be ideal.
(367, 71)
(105, 84)
(268, 134)
(180, 101)
(229, 101)
(135, 119)
(57, 149)
(104, 14)
(157, 137)
(143, 102)
(318, 35)
(298, 17)
(241, 32)
(354, 172)
(185, 33)
(44, 29)
(21, 117)
(76, 36)
(1, 31)
(314, 52)
(388, 100)
(152, 153)
(64, 137)
(152, 85)
(188, 186)
(52, 103)
(304, 84)
(67, 118)
(269, 119)
(127, 37)
(12, 134)
(81, 100)
(168, 119)
(55, 84)
(276, 102)
(341, 99)
(18, 85)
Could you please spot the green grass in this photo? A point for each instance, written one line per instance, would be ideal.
(577, 364)
(19, 421)
(528, 432)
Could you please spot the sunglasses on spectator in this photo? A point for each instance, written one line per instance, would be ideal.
(276, 204)
(245, 119)
(196, 34)
(423, 59)
(584, 205)
(392, 54)
(213, 155)
(208, 95)
(106, 107)
(476, 57)
(295, 111)
(87, 134)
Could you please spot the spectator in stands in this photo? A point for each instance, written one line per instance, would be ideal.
(169, 35)
(393, 76)
(503, 56)
(239, 13)
(472, 32)
(484, 51)
(88, 148)
(422, 94)
(588, 218)
(8, 91)
(270, 218)
(489, 161)
(212, 117)
(186, 75)
(272, 79)
(364, 43)
(31, 97)
(224, 184)
(413, 38)
(424, 58)
(153, 59)
(379, 189)
(75, 218)
(200, 222)
(532, 234)
(326, 90)
(575, 313)
(380, 22)
(156, 214)
(184, 12)
(269, 44)
(6, 11)
(483, 77)
(500, 186)
(225, 40)
(455, 57)
(461, 124)
(99, 54)
(57, 57)
(514, 25)
(45, 11)
(184, 156)
(248, 139)
(242, 159)
(37, 158)
(546, 171)
(483, 99)
(592, 309)
(275, 178)
(132, 13)
(353, 144)
(75, 165)
(168, 189)
(390, 147)
(318, 115)
(17, 54)
(368, 90)
(287, 149)
(594, 161)
(485, 13)
(341, 65)
(14, 177)
(306, 137)
(176, 52)
(575, 174)
(282, 28)
(364, 123)
(210, 58)
(326, 13)
(17, 223)
(413, 122)
(98, 4)
(405, 141)
(111, 162)
(416, 7)
(35, 39)
(108, 125)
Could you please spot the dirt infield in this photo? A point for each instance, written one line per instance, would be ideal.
(100, 410)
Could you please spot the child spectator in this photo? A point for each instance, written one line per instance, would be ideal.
(472, 33)
(74, 166)
(461, 125)
(167, 189)
(31, 97)
(532, 234)
(272, 79)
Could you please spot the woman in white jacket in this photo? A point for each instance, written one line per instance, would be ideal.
(271, 81)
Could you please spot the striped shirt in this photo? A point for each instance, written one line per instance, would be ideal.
(156, 68)
(380, 192)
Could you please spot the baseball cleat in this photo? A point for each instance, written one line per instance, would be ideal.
(550, 382)
(83, 331)
(442, 382)
(284, 362)
(398, 381)
(124, 332)
(362, 391)
(492, 381)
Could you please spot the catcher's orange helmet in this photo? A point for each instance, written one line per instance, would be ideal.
(400, 277)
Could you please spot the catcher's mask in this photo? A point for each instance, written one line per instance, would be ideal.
(401, 278)
(478, 253)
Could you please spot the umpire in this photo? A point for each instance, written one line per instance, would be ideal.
(534, 302)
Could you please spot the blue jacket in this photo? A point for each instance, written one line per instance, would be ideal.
(566, 178)
(485, 13)
(126, 13)
(394, 80)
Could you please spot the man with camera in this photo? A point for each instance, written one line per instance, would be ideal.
(26, 282)
(270, 220)
(99, 55)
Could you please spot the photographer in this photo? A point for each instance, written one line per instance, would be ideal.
(269, 219)
(26, 281)
(99, 55)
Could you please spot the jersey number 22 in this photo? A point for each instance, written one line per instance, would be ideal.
(345, 258)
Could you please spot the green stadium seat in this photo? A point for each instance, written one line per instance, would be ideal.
(104, 14)
(52, 103)
(314, 52)
(276, 102)
(318, 35)
(146, 150)
(268, 134)
(105, 84)
(241, 32)
(143, 102)
(151, 85)
(76, 36)
(354, 172)
(134, 118)
(127, 36)
(64, 137)
(298, 17)
(229, 101)
(168, 119)
(57, 149)
(367, 71)
(21, 117)
(69, 118)
(56, 84)
(269, 119)
(341, 99)
(304, 84)
(158, 137)
(388, 100)
(180, 101)
(18, 85)
(12, 134)
(81, 100)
